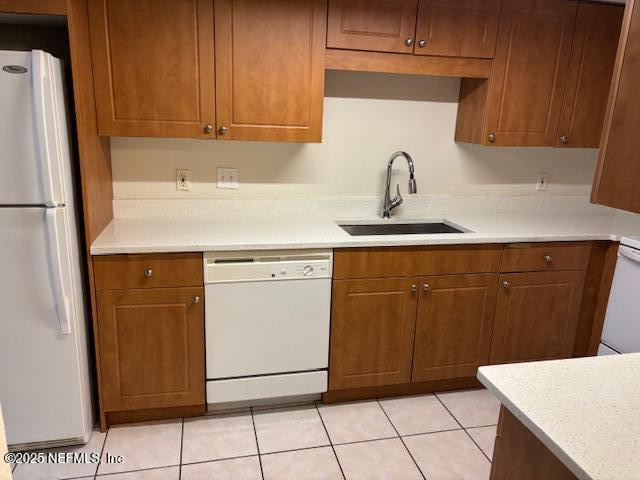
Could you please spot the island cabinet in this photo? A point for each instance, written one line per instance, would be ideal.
(160, 70)
(550, 79)
(448, 28)
(150, 336)
(618, 170)
(418, 319)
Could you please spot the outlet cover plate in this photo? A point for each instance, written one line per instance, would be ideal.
(183, 180)
(543, 181)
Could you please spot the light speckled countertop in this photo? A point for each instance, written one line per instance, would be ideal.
(585, 410)
(220, 225)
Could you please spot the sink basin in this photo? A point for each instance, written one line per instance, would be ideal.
(400, 228)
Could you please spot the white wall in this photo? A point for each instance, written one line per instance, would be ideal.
(366, 117)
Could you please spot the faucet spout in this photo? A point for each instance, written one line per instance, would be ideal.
(389, 203)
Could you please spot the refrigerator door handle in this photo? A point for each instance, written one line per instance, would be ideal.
(46, 130)
(629, 253)
(59, 265)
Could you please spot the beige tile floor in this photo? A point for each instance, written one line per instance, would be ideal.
(446, 436)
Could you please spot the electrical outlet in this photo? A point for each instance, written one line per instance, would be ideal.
(228, 178)
(183, 180)
(543, 180)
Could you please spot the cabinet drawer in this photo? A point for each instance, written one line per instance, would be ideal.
(115, 272)
(415, 261)
(546, 256)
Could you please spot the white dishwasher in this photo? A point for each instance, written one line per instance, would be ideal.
(267, 317)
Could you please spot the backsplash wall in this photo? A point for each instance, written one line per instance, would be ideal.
(366, 118)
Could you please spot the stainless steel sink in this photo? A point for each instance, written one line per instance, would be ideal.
(400, 228)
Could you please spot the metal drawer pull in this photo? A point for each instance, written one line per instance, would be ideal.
(548, 259)
(408, 42)
(195, 300)
(506, 284)
(148, 272)
(426, 288)
(414, 288)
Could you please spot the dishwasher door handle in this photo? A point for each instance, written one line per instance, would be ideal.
(629, 253)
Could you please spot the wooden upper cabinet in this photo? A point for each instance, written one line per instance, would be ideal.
(618, 171)
(151, 348)
(457, 28)
(373, 25)
(536, 316)
(372, 327)
(153, 67)
(454, 325)
(595, 43)
(270, 69)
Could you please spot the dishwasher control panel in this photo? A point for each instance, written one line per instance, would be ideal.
(268, 265)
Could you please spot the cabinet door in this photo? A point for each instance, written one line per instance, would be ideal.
(457, 28)
(378, 25)
(454, 325)
(153, 67)
(593, 54)
(536, 316)
(151, 348)
(618, 171)
(270, 69)
(529, 73)
(372, 326)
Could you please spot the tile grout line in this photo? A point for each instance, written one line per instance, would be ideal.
(104, 444)
(402, 440)
(105, 475)
(255, 433)
(330, 441)
(181, 446)
(464, 429)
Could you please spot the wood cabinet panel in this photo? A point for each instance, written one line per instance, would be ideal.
(618, 170)
(526, 257)
(112, 272)
(41, 7)
(454, 325)
(530, 70)
(415, 261)
(593, 54)
(153, 67)
(151, 348)
(270, 69)
(457, 28)
(372, 328)
(536, 316)
(378, 25)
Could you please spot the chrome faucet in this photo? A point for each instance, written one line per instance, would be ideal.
(391, 203)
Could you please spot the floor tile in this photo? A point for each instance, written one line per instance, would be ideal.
(171, 473)
(247, 468)
(310, 464)
(143, 445)
(354, 422)
(218, 436)
(472, 408)
(485, 437)
(418, 414)
(448, 456)
(289, 429)
(380, 459)
(53, 471)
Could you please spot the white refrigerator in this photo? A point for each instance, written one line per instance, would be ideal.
(45, 388)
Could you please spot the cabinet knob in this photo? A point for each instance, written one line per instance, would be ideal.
(208, 128)
(414, 288)
(422, 43)
(564, 139)
(148, 272)
(222, 130)
(408, 42)
(195, 300)
(548, 259)
(506, 284)
(491, 137)
(426, 288)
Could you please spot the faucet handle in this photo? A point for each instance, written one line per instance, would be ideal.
(397, 200)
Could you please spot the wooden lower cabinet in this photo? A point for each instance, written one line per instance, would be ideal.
(151, 348)
(536, 316)
(372, 329)
(454, 325)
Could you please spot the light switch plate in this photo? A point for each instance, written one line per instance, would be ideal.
(183, 180)
(228, 178)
